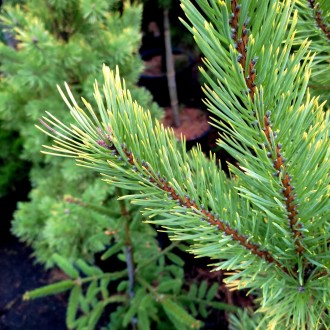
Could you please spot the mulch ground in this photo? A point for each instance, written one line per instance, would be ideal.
(19, 273)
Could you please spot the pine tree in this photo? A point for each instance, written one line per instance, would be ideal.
(268, 223)
(59, 41)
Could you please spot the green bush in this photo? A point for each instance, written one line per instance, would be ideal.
(60, 41)
(12, 168)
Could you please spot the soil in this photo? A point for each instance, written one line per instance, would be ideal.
(19, 273)
(193, 123)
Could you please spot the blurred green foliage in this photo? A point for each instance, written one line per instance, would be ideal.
(55, 42)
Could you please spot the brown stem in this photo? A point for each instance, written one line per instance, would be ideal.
(73, 200)
(320, 87)
(287, 190)
(315, 6)
(190, 204)
(241, 45)
(278, 160)
(220, 224)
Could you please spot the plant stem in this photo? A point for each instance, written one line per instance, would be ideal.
(113, 276)
(314, 5)
(128, 253)
(155, 257)
(130, 269)
(170, 71)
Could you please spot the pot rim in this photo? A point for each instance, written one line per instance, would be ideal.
(159, 51)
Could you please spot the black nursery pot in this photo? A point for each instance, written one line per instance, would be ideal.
(157, 83)
(202, 140)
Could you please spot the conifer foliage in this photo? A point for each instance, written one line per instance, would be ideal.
(314, 19)
(58, 41)
(268, 224)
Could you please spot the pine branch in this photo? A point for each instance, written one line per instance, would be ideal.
(323, 26)
(100, 209)
(186, 202)
(308, 27)
(241, 44)
(286, 179)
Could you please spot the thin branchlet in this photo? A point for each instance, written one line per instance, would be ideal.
(287, 190)
(72, 200)
(51, 129)
(241, 44)
(278, 160)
